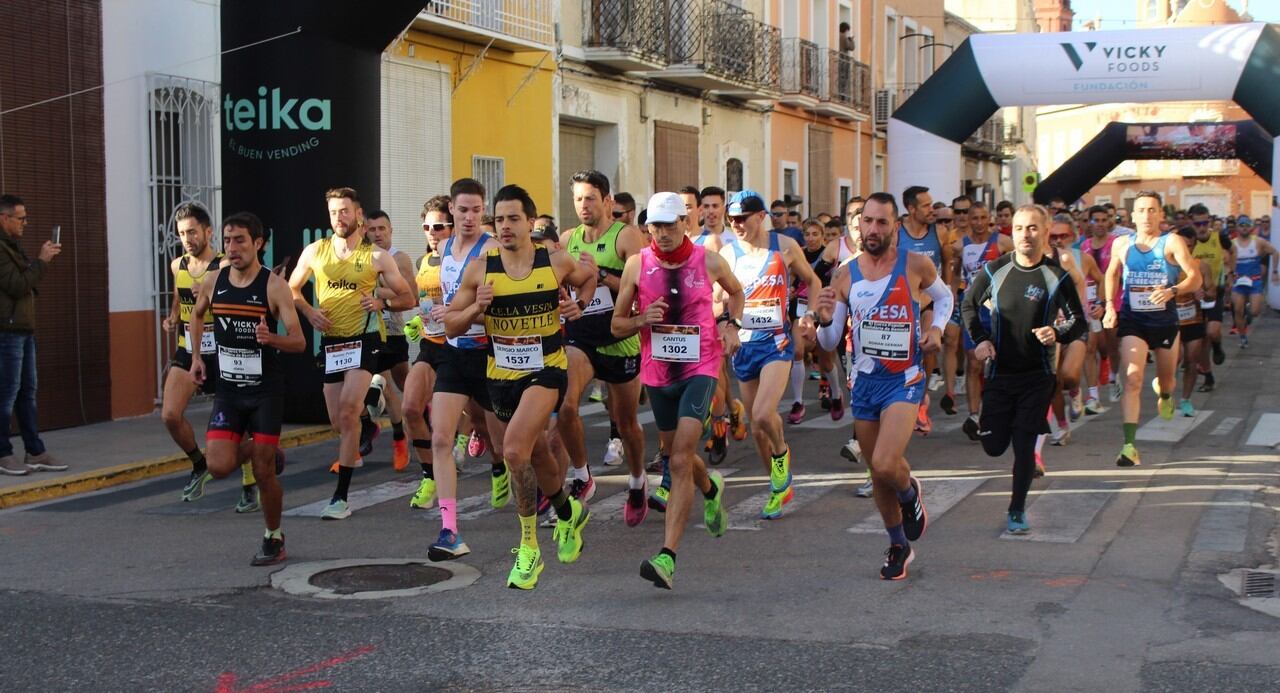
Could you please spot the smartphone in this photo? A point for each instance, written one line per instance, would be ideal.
(57, 233)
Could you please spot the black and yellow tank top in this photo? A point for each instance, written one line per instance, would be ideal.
(523, 322)
(340, 282)
(430, 294)
(188, 285)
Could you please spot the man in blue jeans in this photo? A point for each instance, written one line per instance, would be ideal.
(18, 279)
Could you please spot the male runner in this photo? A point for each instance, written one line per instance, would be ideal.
(919, 234)
(1098, 244)
(515, 290)
(393, 360)
(1248, 289)
(666, 297)
(593, 351)
(246, 301)
(1218, 250)
(982, 245)
(195, 230)
(952, 344)
(806, 338)
(880, 293)
(1191, 323)
(1034, 306)
(1070, 356)
(837, 253)
(764, 262)
(1148, 315)
(729, 414)
(347, 268)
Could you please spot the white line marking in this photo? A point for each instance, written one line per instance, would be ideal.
(940, 495)
(1160, 431)
(1227, 425)
(1063, 515)
(1266, 432)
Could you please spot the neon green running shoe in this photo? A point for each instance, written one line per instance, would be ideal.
(773, 506)
(658, 498)
(713, 515)
(1128, 456)
(660, 570)
(780, 472)
(195, 486)
(426, 495)
(524, 574)
(1164, 405)
(500, 488)
(568, 533)
(248, 499)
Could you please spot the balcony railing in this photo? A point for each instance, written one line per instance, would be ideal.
(989, 139)
(725, 43)
(529, 22)
(802, 68)
(850, 81)
(636, 28)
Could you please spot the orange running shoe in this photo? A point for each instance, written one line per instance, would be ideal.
(400, 454)
(738, 419)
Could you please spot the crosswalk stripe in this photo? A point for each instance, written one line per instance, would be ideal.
(1160, 431)
(745, 515)
(1224, 524)
(1227, 425)
(609, 509)
(1266, 432)
(940, 495)
(1064, 512)
(361, 498)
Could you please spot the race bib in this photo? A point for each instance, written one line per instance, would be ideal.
(207, 345)
(802, 307)
(890, 341)
(762, 314)
(1207, 304)
(1186, 311)
(1140, 299)
(676, 343)
(342, 357)
(522, 353)
(239, 364)
(1091, 293)
(431, 328)
(601, 301)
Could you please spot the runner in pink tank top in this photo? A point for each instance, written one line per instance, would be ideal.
(685, 343)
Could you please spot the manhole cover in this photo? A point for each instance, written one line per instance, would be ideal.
(379, 578)
(1260, 584)
(372, 578)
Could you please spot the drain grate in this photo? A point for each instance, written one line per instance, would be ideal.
(379, 578)
(1260, 584)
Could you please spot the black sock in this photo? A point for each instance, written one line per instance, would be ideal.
(344, 483)
(613, 429)
(198, 465)
(397, 430)
(560, 502)
(668, 552)
(709, 495)
(421, 444)
(499, 469)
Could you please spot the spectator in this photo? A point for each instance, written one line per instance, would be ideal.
(847, 43)
(18, 279)
(778, 215)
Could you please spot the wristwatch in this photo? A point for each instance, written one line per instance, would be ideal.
(603, 275)
(726, 318)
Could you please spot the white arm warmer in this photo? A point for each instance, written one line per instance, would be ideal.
(830, 335)
(943, 303)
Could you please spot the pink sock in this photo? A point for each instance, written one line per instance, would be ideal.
(449, 514)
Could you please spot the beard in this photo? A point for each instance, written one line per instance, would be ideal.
(876, 251)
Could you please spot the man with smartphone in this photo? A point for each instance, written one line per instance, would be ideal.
(18, 279)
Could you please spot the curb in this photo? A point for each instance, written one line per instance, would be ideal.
(107, 477)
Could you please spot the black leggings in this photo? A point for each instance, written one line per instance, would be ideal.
(1024, 460)
(1014, 408)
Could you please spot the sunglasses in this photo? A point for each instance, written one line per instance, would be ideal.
(777, 214)
(740, 218)
(619, 215)
(1059, 236)
(437, 227)
(959, 210)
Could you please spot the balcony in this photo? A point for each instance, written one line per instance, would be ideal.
(718, 47)
(626, 35)
(802, 72)
(512, 25)
(988, 142)
(848, 87)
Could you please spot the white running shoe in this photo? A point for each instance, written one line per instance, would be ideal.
(961, 384)
(1060, 437)
(935, 381)
(613, 453)
(1116, 391)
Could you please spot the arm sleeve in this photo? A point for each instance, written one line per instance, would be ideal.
(974, 297)
(830, 335)
(1074, 322)
(943, 302)
(823, 270)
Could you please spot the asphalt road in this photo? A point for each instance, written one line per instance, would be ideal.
(1117, 588)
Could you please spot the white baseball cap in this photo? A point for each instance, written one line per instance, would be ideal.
(664, 208)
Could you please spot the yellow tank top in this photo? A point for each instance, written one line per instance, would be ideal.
(339, 285)
(523, 322)
(430, 294)
(1212, 253)
(188, 285)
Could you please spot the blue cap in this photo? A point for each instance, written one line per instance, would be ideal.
(1243, 220)
(746, 202)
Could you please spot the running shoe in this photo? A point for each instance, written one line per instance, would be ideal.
(369, 431)
(1092, 407)
(583, 490)
(524, 574)
(1116, 392)
(400, 454)
(824, 395)
(896, 560)
(248, 499)
(852, 451)
(923, 425)
(780, 471)
(1060, 437)
(1218, 354)
(713, 515)
(1039, 470)
(773, 506)
(658, 499)
(1017, 523)
(948, 404)
(613, 452)
(333, 468)
(636, 508)
(1208, 384)
(448, 546)
(1128, 456)
(460, 451)
(425, 496)
(837, 409)
(500, 488)
(476, 446)
(738, 420)
(915, 519)
(961, 384)
(195, 486)
(866, 489)
(1074, 408)
(568, 533)
(655, 464)
(597, 393)
(1188, 409)
(1234, 331)
(1164, 405)
(660, 570)
(1244, 341)
(336, 510)
(718, 445)
(935, 381)
(272, 551)
(797, 412)
(970, 428)
(815, 375)
(547, 518)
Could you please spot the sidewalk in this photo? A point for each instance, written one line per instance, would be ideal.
(118, 452)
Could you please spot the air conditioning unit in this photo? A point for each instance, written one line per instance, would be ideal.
(885, 105)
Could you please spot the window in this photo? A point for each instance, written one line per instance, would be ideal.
(910, 55)
(675, 156)
(877, 174)
(790, 18)
(733, 175)
(890, 49)
(818, 29)
(489, 171)
(927, 55)
(790, 180)
(577, 152)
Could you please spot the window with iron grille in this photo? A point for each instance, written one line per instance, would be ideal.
(489, 171)
(733, 175)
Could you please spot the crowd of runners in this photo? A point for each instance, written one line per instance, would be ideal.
(711, 309)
